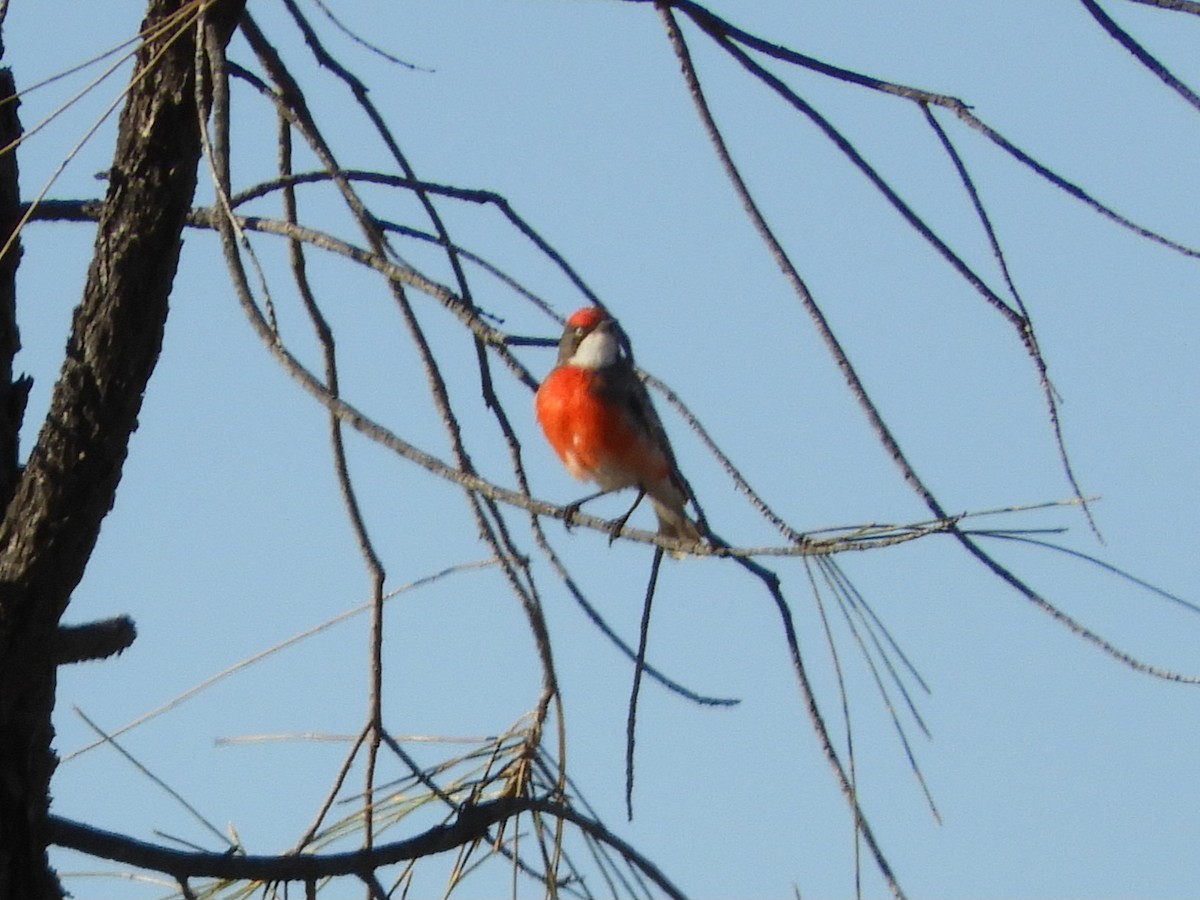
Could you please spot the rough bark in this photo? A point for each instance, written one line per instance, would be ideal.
(12, 393)
(51, 523)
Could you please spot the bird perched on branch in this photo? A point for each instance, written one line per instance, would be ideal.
(598, 417)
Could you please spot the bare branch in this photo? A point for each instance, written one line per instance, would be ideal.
(471, 825)
(1143, 56)
(1024, 324)
(1190, 6)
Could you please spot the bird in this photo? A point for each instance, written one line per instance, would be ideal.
(599, 419)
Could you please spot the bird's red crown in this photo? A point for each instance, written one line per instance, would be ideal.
(587, 318)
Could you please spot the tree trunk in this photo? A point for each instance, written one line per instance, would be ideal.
(51, 523)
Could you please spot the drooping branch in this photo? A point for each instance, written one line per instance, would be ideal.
(1126, 40)
(719, 29)
(1190, 6)
(883, 432)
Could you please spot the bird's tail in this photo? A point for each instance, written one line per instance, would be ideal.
(673, 522)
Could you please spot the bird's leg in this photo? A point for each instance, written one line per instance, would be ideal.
(617, 524)
(571, 509)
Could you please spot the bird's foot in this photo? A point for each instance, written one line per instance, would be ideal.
(570, 511)
(616, 526)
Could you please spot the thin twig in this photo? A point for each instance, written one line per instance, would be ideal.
(1028, 336)
(1143, 56)
(204, 685)
(1190, 6)
(638, 668)
(108, 740)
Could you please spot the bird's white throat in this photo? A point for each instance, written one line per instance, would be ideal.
(597, 350)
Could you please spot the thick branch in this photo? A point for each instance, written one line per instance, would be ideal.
(299, 867)
(471, 825)
(95, 640)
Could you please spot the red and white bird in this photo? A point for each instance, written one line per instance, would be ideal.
(600, 421)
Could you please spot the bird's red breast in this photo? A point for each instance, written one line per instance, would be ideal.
(600, 421)
(596, 438)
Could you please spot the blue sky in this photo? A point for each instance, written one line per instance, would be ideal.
(1058, 772)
